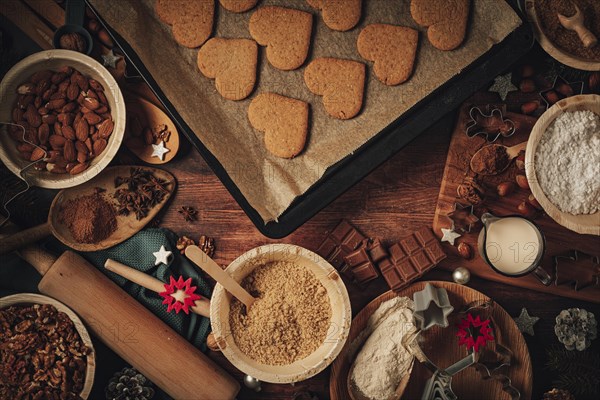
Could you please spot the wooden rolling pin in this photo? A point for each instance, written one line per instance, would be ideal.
(129, 329)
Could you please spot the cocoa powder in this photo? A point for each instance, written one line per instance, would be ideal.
(90, 218)
(567, 40)
(490, 160)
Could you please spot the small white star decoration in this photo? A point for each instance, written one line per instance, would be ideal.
(110, 59)
(502, 85)
(449, 235)
(163, 256)
(525, 322)
(159, 150)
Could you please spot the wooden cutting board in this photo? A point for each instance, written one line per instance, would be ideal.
(559, 240)
(441, 346)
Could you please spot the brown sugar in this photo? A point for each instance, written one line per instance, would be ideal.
(290, 318)
(567, 40)
(490, 160)
(90, 218)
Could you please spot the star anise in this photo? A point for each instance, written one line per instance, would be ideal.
(189, 213)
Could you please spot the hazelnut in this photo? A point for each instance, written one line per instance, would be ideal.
(533, 201)
(505, 188)
(465, 250)
(552, 97)
(530, 107)
(72, 41)
(522, 181)
(520, 161)
(565, 89)
(527, 86)
(526, 210)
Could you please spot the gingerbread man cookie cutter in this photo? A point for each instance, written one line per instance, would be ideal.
(490, 126)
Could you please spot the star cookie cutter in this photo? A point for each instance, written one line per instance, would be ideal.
(432, 307)
(491, 126)
(462, 217)
(576, 87)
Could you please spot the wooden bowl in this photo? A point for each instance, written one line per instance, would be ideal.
(54, 59)
(555, 52)
(340, 319)
(31, 298)
(582, 223)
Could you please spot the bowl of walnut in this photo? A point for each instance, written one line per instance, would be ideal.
(67, 118)
(45, 351)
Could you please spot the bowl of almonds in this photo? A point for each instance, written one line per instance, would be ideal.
(67, 118)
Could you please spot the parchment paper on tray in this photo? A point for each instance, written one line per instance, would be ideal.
(270, 184)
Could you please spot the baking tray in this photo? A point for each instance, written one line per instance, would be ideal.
(351, 169)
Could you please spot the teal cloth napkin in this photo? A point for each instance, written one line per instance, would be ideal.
(136, 252)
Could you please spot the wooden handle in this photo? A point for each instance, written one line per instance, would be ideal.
(587, 38)
(134, 333)
(514, 151)
(24, 237)
(207, 264)
(28, 22)
(40, 260)
(50, 10)
(201, 307)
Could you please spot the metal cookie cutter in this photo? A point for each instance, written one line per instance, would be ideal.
(432, 307)
(491, 126)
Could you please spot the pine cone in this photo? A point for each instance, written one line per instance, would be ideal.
(558, 394)
(129, 384)
(576, 328)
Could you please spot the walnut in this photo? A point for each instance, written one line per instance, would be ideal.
(471, 191)
(183, 242)
(43, 356)
(207, 245)
(73, 41)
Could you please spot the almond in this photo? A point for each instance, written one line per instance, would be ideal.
(37, 154)
(58, 128)
(32, 116)
(527, 86)
(72, 91)
(81, 147)
(520, 161)
(63, 86)
(52, 156)
(81, 130)
(66, 70)
(551, 97)
(99, 146)
(70, 166)
(90, 93)
(57, 142)
(25, 147)
(58, 77)
(102, 98)
(58, 95)
(49, 119)
(505, 188)
(565, 89)
(79, 168)
(529, 107)
(81, 157)
(69, 107)
(105, 128)
(42, 86)
(56, 104)
(17, 114)
(25, 155)
(101, 110)
(89, 145)
(40, 76)
(97, 86)
(37, 101)
(43, 133)
(24, 100)
(69, 132)
(92, 118)
(69, 151)
(533, 201)
(69, 119)
(82, 82)
(91, 103)
(465, 250)
(526, 210)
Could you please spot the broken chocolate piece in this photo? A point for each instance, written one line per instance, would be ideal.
(376, 251)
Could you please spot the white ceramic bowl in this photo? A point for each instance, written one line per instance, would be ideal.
(32, 298)
(54, 59)
(582, 223)
(341, 314)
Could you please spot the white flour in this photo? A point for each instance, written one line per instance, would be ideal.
(567, 162)
(384, 359)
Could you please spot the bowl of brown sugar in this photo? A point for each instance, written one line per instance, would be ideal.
(299, 322)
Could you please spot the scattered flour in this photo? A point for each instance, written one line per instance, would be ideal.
(385, 359)
(567, 162)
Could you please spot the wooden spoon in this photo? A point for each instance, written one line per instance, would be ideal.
(147, 115)
(127, 226)
(512, 152)
(356, 394)
(207, 264)
(576, 23)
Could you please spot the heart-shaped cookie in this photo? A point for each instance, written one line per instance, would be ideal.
(340, 82)
(446, 21)
(339, 15)
(392, 49)
(286, 33)
(238, 6)
(192, 20)
(232, 64)
(283, 120)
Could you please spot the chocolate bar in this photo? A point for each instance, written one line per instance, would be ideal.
(410, 258)
(343, 240)
(360, 265)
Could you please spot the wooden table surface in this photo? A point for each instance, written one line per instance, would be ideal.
(395, 199)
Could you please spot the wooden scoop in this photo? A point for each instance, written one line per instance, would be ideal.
(576, 23)
(127, 226)
(512, 153)
(207, 264)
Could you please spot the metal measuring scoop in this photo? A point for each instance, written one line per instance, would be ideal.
(74, 16)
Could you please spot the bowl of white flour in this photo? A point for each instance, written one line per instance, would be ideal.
(562, 163)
